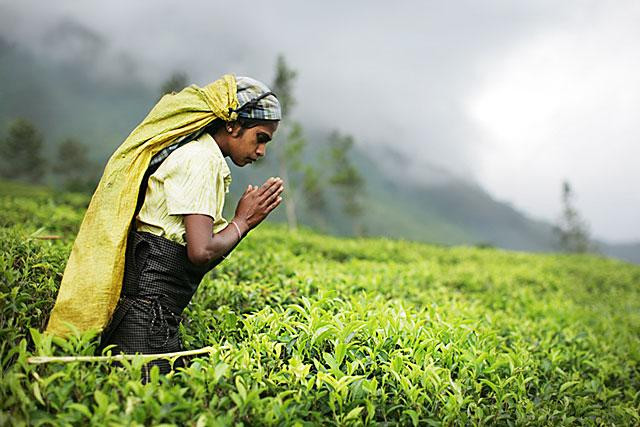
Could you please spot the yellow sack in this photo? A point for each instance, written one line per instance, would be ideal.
(93, 276)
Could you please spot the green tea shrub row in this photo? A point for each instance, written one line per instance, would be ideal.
(314, 330)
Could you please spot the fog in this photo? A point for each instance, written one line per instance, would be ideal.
(516, 96)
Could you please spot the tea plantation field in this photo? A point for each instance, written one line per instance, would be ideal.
(313, 330)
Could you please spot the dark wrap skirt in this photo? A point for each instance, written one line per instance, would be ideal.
(159, 281)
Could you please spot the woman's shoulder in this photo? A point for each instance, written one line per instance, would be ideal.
(202, 147)
(201, 155)
(202, 150)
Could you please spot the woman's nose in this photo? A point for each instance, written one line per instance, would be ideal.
(262, 150)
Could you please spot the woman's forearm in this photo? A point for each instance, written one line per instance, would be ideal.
(253, 207)
(203, 247)
(223, 242)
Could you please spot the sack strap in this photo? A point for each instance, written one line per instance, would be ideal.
(155, 163)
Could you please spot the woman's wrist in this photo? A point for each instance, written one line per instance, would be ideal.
(233, 223)
(241, 225)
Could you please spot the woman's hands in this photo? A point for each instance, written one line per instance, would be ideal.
(257, 202)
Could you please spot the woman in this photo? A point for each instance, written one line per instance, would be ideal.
(176, 232)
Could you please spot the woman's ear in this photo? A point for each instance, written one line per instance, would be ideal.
(233, 129)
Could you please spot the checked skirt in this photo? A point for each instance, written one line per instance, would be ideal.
(159, 281)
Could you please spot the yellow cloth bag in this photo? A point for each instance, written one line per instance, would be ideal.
(93, 276)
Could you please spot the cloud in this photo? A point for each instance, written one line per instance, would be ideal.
(563, 105)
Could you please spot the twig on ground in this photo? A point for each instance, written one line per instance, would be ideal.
(67, 359)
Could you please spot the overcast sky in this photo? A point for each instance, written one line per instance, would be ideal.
(516, 96)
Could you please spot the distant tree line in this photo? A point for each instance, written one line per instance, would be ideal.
(22, 158)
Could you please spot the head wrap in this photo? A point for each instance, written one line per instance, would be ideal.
(256, 101)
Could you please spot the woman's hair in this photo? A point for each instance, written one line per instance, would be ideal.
(251, 123)
(244, 123)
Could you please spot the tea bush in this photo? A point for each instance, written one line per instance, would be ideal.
(309, 329)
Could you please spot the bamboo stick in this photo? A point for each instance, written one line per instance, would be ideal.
(67, 359)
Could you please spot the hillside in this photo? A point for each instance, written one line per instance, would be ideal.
(312, 329)
(68, 100)
(430, 206)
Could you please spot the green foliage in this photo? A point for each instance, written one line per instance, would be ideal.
(292, 167)
(571, 230)
(345, 176)
(314, 194)
(295, 145)
(283, 85)
(175, 83)
(317, 330)
(76, 171)
(288, 149)
(21, 153)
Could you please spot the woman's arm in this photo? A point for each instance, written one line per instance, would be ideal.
(204, 247)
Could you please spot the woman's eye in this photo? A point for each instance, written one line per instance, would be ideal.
(263, 138)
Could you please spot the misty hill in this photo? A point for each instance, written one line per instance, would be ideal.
(436, 206)
(462, 211)
(403, 200)
(67, 100)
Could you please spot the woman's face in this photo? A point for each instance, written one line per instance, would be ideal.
(247, 145)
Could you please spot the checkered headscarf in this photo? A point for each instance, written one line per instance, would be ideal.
(256, 101)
